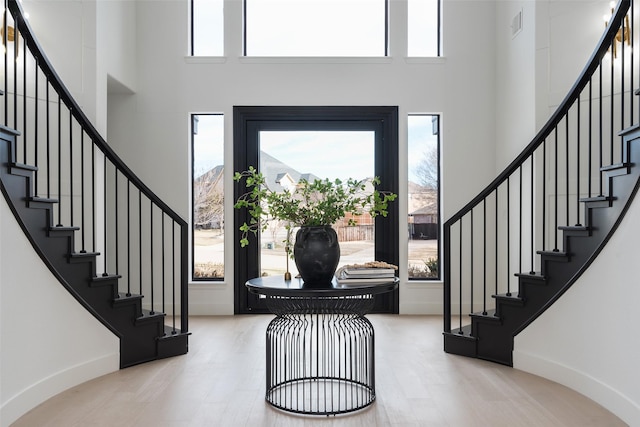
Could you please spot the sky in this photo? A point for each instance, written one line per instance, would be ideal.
(326, 154)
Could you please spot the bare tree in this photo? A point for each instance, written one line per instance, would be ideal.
(208, 199)
(427, 169)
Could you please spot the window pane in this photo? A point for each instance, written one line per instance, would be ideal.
(285, 158)
(422, 28)
(208, 28)
(315, 28)
(423, 199)
(208, 196)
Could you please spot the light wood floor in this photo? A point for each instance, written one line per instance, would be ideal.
(221, 381)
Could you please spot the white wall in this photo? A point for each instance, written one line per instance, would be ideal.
(586, 340)
(515, 70)
(48, 341)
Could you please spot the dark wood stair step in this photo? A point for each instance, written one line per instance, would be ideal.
(556, 256)
(173, 343)
(511, 299)
(150, 316)
(41, 202)
(598, 201)
(486, 316)
(77, 257)
(532, 277)
(105, 279)
(20, 169)
(460, 341)
(617, 169)
(575, 230)
(62, 231)
(123, 299)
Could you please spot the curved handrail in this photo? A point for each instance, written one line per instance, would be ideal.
(594, 61)
(43, 62)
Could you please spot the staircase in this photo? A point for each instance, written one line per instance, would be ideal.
(108, 239)
(512, 251)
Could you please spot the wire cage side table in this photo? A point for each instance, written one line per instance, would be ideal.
(320, 347)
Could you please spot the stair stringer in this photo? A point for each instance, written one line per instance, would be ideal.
(490, 335)
(143, 335)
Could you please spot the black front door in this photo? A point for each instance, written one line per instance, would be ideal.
(324, 142)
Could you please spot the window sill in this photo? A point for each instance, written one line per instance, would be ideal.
(205, 59)
(315, 60)
(424, 284)
(424, 60)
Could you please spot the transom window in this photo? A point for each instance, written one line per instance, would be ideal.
(315, 28)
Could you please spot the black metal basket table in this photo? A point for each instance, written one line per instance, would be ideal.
(320, 346)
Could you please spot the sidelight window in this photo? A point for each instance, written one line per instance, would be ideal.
(208, 196)
(423, 199)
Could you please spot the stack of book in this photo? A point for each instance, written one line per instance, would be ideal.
(369, 273)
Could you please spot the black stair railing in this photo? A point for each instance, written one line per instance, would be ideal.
(137, 236)
(524, 211)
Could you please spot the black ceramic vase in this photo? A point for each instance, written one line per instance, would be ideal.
(316, 253)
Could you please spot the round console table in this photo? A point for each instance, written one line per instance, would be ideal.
(320, 345)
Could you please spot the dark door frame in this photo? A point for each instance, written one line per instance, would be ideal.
(247, 124)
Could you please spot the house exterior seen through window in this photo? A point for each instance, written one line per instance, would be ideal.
(208, 196)
(285, 160)
(423, 223)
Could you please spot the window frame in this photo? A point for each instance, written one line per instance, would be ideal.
(192, 228)
(439, 198)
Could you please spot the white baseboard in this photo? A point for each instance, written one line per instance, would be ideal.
(612, 399)
(56, 383)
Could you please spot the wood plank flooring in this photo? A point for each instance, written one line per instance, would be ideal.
(221, 382)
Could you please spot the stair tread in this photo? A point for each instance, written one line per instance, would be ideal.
(170, 332)
(577, 227)
(558, 254)
(123, 299)
(23, 166)
(632, 128)
(150, 316)
(64, 228)
(9, 130)
(536, 275)
(489, 315)
(514, 297)
(84, 254)
(598, 199)
(42, 199)
(106, 277)
(615, 166)
(464, 332)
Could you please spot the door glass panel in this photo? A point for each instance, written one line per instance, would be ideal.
(288, 156)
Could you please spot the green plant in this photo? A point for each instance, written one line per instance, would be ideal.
(321, 202)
